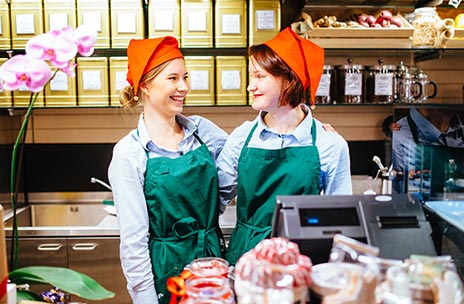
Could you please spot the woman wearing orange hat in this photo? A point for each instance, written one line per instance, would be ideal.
(163, 174)
(284, 151)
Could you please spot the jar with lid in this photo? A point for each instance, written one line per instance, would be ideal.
(426, 86)
(380, 83)
(407, 89)
(425, 31)
(350, 82)
(326, 89)
(208, 290)
(209, 267)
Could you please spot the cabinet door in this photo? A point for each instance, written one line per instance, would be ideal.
(99, 259)
(40, 252)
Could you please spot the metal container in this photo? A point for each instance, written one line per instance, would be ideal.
(350, 82)
(326, 90)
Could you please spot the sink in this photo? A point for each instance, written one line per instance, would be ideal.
(63, 219)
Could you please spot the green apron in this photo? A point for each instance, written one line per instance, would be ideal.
(182, 197)
(262, 175)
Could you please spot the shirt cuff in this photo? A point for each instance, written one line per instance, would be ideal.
(144, 296)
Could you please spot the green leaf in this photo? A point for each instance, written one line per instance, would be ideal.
(66, 279)
(26, 295)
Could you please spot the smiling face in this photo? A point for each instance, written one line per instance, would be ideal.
(264, 87)
(166, 91)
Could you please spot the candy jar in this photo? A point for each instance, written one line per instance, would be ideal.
(273, 272)
(208, 290)
(209, 267)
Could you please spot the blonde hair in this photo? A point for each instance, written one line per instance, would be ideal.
(127, 97)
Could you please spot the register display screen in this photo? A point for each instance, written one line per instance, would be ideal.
(310, 217)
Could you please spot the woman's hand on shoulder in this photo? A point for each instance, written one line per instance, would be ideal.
(328, 127)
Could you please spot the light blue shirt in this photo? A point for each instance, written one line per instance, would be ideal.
(404, 148)
(333, 153)
(127, 177)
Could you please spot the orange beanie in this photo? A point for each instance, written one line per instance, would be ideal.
(304, 57)
(145, 54)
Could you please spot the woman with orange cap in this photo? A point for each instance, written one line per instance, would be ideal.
(284, 151)
(163, 174)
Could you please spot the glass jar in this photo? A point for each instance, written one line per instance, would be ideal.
(208, 290)
(425, 31)
(326, 89)
(209, 267)
(380, 83)
(350, 79)
(407, 89)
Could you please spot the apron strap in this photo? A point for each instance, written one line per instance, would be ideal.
(413, 127)
(254, 228)
(313, 132)
(245, 145)
(313, 135)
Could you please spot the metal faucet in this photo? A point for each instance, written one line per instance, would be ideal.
(94, 180)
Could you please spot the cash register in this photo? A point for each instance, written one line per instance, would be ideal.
(395, 223)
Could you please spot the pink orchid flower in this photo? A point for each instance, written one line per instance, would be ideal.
(56, 46)
(85, 38)
(24, 71)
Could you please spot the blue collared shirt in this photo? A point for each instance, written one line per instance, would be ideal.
(404, 148)
(127, 176)
(333, 153)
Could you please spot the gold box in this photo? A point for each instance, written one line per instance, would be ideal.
(264, 20)
(164, 18)
(61, 91)
(230, 23)
(22, 98)
(5, 37)
(95, 14)
(92, 81)
(197, 23)
(231, 78)
(126, 22)
(26, 21)
(5, 96)
(118, 78)
(59, 14)
(201, 74)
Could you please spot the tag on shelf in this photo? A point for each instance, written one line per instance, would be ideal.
(454, 3)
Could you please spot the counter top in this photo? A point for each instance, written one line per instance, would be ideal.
(450, 211)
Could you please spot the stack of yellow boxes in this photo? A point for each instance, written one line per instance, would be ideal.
(217, 76)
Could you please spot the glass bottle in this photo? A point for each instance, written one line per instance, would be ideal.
(450, 179)
(350, 82)
(325, 90)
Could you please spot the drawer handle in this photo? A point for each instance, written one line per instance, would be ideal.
(84, 246)
(49, 247)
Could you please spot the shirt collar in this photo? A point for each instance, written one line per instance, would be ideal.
(187, 124)
(300, 133)
(431, 133)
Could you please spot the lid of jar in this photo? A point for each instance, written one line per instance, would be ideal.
(328, 67)
(421, 74)
(350, 66)
(381, 67)
(425, 10)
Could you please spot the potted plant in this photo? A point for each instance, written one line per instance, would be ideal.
(32, 71)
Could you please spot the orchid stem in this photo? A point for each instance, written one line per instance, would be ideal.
(13, 190)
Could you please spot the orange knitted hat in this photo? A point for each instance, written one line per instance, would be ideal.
(146, 54)
(304, 57)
